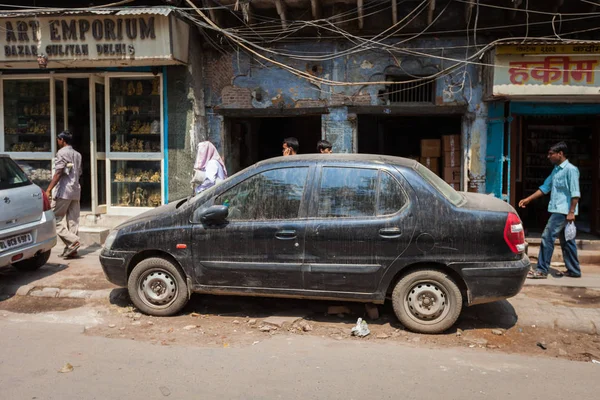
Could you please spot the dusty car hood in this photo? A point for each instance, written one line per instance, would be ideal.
(154, 214)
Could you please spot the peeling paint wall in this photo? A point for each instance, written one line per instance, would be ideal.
(236, 81)
(474, 134)
(187, 120)
(339, 128)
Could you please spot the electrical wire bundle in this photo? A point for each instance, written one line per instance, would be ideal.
(260, 38)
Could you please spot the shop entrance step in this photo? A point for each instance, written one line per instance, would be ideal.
(101, 220)
(90, 236)
(588, 250)
(582, 244)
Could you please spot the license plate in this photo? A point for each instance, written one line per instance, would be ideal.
(15, 241)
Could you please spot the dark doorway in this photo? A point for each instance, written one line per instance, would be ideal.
(533, 137)
(78, 103)
(251, 140)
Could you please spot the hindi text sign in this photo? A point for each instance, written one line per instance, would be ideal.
(546, 75)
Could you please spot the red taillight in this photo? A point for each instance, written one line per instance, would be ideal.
(514, 234)
(46, 201)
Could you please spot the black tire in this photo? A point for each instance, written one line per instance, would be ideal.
(34, 263)
(159, 278)
(427, 301)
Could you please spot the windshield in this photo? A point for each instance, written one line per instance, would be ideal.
(11, 176)
(446, 190)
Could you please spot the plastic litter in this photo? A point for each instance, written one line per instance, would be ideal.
(66, 369)
(570, 231)
(361, 329)
(595, 362)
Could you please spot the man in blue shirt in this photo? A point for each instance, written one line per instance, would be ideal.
(563, 186)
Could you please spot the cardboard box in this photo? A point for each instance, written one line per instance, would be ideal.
(451, 143)
(433, 163)
(452, 174)
(452, 159)
(431, 148)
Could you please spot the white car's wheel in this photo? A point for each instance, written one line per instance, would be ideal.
(33, 263)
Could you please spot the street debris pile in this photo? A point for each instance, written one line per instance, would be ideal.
(361, 329)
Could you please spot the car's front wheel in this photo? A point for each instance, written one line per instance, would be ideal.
(33, 263)
(157, 287)
(427, 301)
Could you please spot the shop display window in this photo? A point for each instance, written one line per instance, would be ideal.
(38, 171)
(27, 116)
(136, 183)
(135, 122)
(125, 144)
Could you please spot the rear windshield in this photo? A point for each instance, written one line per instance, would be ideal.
(446, 190)
(11, 176)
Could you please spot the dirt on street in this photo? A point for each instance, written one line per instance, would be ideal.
(223, 321)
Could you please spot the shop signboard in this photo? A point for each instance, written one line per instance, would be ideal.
(562, 70)
(92, 41)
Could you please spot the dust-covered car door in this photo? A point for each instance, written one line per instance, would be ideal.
(362, 221)
(262, 243)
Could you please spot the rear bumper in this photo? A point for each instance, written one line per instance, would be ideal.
(492, 281)
(44, 238)
(114, 264)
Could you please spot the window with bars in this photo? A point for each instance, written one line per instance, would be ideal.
(410, 92)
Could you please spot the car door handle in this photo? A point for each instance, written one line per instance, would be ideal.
(286, 234)
(390, 232)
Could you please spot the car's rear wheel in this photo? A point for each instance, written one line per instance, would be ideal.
(157, 287)
(427, 301)
(33, 263)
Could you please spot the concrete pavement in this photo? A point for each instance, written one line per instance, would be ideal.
(281, 368)
(83, 278)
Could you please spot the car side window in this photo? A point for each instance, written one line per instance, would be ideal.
(391, 195)
(270, 195)
(347, 192)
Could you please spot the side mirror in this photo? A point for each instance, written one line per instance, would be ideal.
(214, 215)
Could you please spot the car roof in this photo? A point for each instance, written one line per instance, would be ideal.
(342, 158)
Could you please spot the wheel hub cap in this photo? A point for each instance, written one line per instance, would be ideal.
(426, 301)
(158, 287)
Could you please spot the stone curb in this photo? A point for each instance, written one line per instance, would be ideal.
(51, 292)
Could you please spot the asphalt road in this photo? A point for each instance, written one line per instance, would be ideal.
(35, 348)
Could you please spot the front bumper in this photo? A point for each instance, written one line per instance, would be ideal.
(491, 281)
(115, 265)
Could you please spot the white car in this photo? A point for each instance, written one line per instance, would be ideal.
(27, 226)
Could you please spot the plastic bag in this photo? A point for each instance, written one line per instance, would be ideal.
(570, 231)
(361, 329)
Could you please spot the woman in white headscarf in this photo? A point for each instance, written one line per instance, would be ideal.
(209, 168)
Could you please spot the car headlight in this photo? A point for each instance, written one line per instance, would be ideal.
(110, 239)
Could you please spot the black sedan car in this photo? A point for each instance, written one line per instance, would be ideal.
(348, 227)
